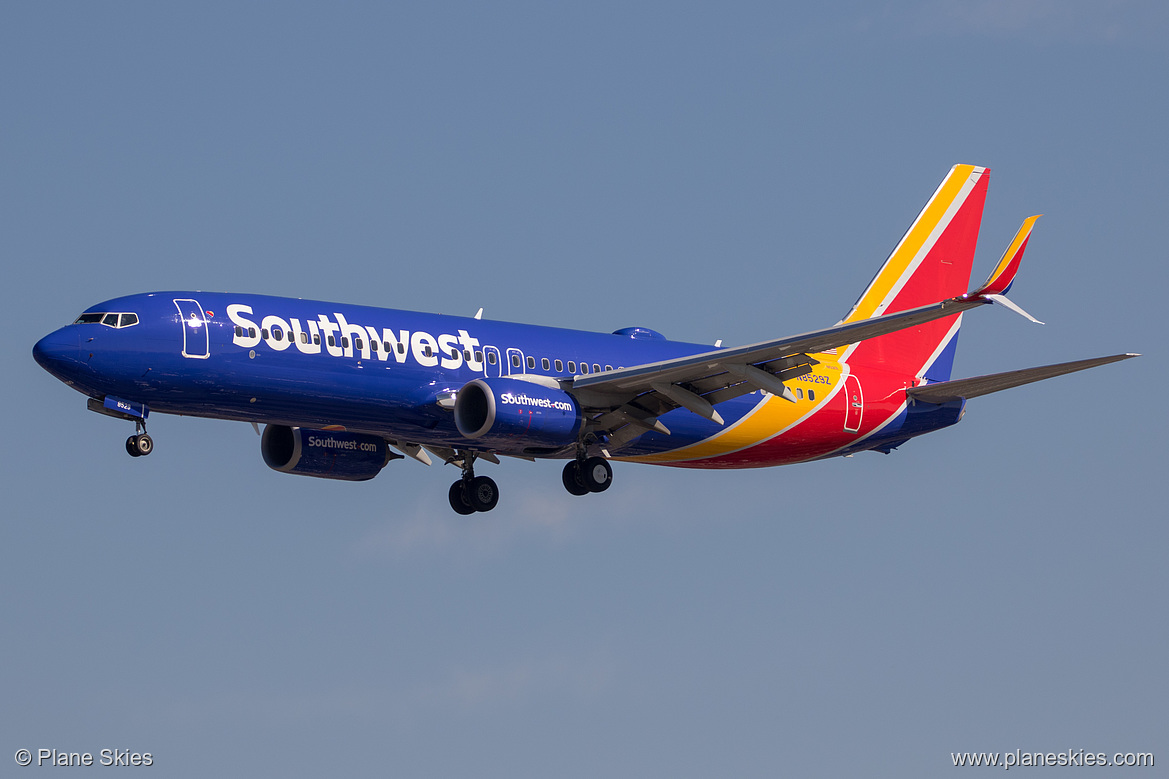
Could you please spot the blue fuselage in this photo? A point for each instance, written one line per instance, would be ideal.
(265, 359)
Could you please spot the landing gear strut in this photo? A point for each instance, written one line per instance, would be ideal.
(472, 493)
(139, 444)
(587, 474)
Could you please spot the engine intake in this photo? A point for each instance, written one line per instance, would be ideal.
(326, 454)
(510, 411)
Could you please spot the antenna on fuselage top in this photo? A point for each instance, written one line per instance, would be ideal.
(479, 313)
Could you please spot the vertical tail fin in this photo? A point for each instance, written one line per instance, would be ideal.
(931, 263)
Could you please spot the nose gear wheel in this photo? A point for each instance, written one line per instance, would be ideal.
(139, 444)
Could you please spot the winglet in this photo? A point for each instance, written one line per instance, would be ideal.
(1003, 276)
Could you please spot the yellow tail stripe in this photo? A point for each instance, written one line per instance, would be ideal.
(929, 223)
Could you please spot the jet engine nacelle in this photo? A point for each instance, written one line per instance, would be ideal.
(327, 454)
(510, 411)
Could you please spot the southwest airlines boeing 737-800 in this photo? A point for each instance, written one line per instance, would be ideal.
(343, 390)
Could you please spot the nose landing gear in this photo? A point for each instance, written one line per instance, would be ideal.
(140, 444)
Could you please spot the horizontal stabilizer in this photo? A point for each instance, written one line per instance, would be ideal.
(958, 389)
(1003, 301)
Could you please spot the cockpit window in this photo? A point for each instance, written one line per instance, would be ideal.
(109, 319)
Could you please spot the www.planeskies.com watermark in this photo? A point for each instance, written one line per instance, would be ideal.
(1069, 757)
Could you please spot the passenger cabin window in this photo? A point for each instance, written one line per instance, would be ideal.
(332, 341)
(479, 356)
(531, 363)
(515, 361)
(559, 366)
(811, 394)
(491, 357)
(545, 364)
(596, 368)
(572, 366)
(608, 367)
(304, 338)
(317, 339)
(357, 342)
(239, 332)
(344, 342)
(584, 368)
(373, 345)
(401, 348)
(264, 333)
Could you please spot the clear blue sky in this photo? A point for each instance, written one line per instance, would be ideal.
(732, 172)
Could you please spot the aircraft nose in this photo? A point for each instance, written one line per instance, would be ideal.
(59, 353)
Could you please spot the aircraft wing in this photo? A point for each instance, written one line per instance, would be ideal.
(984, 385)
(626, 402)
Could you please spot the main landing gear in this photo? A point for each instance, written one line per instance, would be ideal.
(472, 493)
(139, 444)
(587, 474)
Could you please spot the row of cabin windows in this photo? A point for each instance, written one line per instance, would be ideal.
(545, 363)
